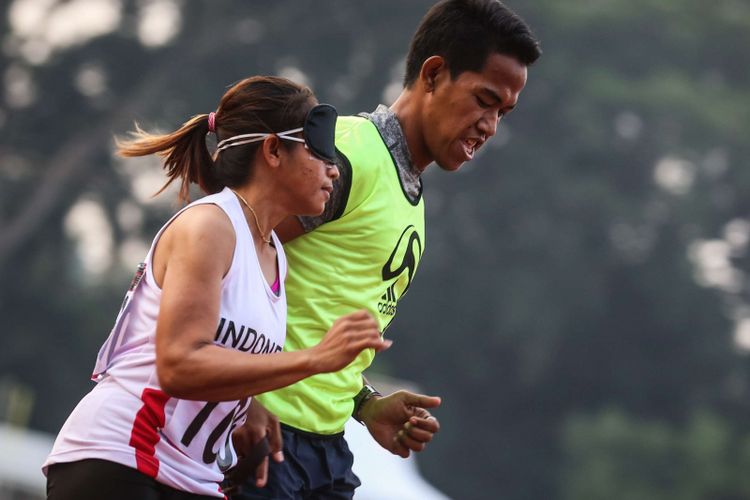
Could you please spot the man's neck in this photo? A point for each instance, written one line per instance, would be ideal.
(408, 112)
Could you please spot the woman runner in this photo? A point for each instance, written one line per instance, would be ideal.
(202, 326)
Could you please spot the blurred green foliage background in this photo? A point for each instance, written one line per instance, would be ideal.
(582, 306)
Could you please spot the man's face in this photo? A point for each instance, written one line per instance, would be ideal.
(462, 114)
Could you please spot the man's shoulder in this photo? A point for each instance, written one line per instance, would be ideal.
(349, 124)
(356, 136)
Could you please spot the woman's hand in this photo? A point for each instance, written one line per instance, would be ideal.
(349, 335)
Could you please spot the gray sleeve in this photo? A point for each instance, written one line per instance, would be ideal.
(339, 197)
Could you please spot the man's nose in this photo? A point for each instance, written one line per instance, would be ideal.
(488, 124)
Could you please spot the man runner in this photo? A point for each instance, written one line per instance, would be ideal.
(466, 67)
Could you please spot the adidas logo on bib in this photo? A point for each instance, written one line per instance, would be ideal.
(387, 304)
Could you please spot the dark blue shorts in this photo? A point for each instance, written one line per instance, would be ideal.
(314, 467)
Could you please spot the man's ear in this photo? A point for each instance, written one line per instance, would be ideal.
(432, 67)
(270, 150)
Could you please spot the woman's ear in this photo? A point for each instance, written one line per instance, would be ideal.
(270, 150)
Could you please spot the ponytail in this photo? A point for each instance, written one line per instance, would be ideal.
(185, 155)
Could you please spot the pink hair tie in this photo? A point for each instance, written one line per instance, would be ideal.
(212, 122)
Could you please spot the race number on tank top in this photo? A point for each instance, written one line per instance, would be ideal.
(128, 419)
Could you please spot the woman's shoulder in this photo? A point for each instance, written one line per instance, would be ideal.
(202, 225)
(200, 240)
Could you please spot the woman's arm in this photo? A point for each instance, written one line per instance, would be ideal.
(191, 258)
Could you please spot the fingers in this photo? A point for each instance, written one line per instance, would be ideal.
(416, 433)
(275, 441)
(261, 474)
(399, 448)
(360, 331)
(348, 337)
(378, 343)
(366, 325)
(418, 430)
(358, 319)
(240, 441)
(382, 344)
(408, 442)
(414, 436)
(361, 340)
(429, 424)
(421, 431)
(420, 400)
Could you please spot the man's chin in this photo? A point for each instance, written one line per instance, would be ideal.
(452, 166)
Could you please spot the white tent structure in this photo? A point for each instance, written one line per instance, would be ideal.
(385, 476)
(22, 453)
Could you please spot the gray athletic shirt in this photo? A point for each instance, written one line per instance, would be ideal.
(393, 136)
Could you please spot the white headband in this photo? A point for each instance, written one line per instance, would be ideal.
(241, 139)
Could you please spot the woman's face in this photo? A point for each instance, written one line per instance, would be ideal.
(309, 180)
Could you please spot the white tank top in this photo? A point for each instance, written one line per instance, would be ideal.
(128, 419)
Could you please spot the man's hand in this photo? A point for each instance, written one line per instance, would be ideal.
(399, 422)
(260, 424)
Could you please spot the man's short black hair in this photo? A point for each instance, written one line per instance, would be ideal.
(465, 33)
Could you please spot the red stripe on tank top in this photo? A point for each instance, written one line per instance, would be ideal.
(145, 433)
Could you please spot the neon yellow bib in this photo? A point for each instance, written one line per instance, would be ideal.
(364, 259)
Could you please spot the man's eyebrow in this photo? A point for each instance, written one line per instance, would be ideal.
(493, 94)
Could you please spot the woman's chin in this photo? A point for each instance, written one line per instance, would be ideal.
(313, 211)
